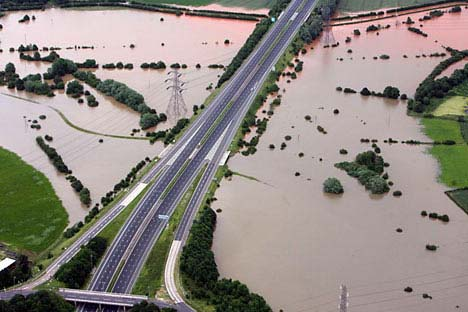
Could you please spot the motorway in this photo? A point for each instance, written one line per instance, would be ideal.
(205, 142)
(124, 260)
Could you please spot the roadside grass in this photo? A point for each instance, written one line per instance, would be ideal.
(453, 159)
(31, 214)
(366, 5)
(460, 197)
(150, 280)
(249, 4)
(455, 105)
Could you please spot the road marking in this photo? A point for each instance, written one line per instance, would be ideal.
(136, 191)
(215, 147)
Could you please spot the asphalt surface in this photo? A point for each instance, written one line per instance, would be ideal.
(122, 264)
(177, 169)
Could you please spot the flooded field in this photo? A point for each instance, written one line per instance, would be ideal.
(187, 40)
(295, 245)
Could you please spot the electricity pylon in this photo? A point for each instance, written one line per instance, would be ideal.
(176, 108)
(343, 299)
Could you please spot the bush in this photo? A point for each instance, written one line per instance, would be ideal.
(148, 120)
(397, 193)
(349, 90)
(431, 247)
(333, 186)
(75, 272)
(75, 88)
(391, 92)
(365, 92)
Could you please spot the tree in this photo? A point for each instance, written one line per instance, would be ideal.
(333, 186)
(144, 306)
(41, 301)
(10, 68)
(365, 92)
(75, 88)
(61, 67)
(148, 120)
(391, 92)
(85, 196)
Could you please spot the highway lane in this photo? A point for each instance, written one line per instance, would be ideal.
(196, 200)
(111, 262)
(189, 141)
(135, 261)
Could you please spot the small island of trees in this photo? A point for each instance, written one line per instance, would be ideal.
(333, 186)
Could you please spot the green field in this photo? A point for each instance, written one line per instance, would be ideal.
(369, 5)
(32, 216)
(249, 4)
(454, 105)
(453, 159)
(442, 129)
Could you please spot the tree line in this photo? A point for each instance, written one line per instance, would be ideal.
(40, 301)
(75, 272)
(198, 265)
(431, 87)
(21, 273)
(59, 164)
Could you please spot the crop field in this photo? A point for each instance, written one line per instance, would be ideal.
(366, 5)
(32, 216)
(455, 105)
(249, 4)
(453, 159)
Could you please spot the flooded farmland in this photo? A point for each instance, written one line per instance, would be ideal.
(155, 36)
(295, 245)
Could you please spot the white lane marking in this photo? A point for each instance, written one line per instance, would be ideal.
(136, 191)
(179, 151)
(294, 16)
(213, 150)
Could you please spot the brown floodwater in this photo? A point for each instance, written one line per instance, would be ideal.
(186, 39)
(295, 245)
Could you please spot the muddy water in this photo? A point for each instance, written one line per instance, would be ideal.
(100, 166)
(295, 245)
(111, 32)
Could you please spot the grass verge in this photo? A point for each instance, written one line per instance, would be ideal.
(32, 215)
